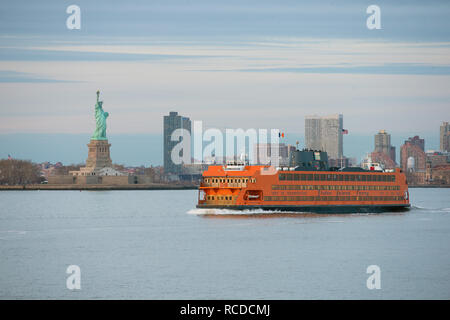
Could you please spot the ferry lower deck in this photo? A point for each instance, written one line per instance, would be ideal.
(378, 208)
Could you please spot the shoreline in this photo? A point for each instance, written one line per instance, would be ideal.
(34, 187)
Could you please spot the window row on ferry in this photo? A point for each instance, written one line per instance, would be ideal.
(336, 177)
(333, 198)
(332, 187)
(228, 180)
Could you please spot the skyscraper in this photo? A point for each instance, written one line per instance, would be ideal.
(172, 122)
(325, 133)
(445, 137)
(383, 144)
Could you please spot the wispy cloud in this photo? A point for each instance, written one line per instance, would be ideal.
(393, 68)
(25, 77)
(26, 54)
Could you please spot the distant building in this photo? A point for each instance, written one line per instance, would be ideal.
(341, 163)
(413, 147)
(445, 137)
(262, 153)
(437, 158)
(383, 158)
(440, 175)
(172, 122)
(413, 160)
(417, 142)
(325, 133)
(383, 144)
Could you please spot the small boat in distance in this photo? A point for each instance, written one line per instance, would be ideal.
(307, 185)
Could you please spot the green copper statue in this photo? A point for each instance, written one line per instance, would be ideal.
(100, 121)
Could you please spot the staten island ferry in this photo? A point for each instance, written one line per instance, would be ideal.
(308, 184)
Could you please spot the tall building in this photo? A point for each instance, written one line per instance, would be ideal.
(262, 153)
(172, 122)
(445, 137)
(325, 133)
(383, 144)
(417, 142)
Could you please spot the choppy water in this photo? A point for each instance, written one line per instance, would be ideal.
(156, 245)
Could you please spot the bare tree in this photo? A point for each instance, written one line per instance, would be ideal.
(19, 172)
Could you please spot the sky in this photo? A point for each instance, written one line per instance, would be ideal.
(230, 64)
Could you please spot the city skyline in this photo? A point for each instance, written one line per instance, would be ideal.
(291, 59)
(124, 152)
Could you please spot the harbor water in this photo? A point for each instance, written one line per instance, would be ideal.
(156, 245)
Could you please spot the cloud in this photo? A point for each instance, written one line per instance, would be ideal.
(25, 77)
(394, 68)
(26, 54)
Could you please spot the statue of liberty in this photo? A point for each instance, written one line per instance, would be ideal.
(100, 121)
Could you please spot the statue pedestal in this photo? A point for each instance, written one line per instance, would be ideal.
(98, 156)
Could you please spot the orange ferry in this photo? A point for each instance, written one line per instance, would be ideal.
(307, 185)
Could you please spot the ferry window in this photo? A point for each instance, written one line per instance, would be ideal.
(282, 176)
(346, 177)
(316, 177)
(309, 177)
(352, 177)
(303, 177)
(322, 177)
(363, 178)
(296, 177)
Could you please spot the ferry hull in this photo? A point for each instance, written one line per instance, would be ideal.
(316, 208)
